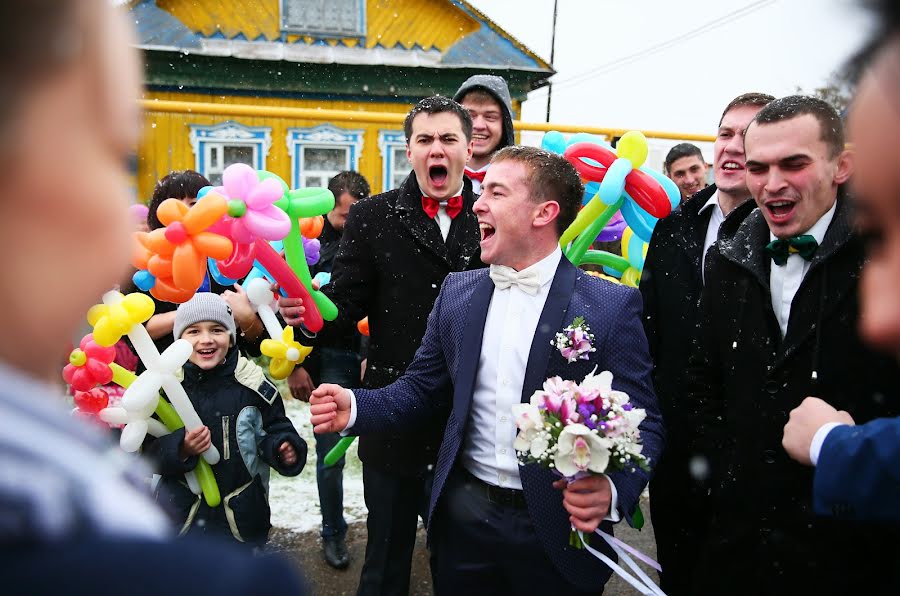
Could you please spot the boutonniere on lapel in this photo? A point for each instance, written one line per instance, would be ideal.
(575, 342)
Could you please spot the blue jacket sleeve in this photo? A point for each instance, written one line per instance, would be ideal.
(166, 452)
(417, 395)
(858, 472)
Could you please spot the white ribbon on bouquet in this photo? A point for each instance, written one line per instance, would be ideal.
(642, 583)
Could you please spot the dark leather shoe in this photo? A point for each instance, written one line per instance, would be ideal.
(335, 551)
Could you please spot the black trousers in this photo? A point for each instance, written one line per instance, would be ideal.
(481, 547)
(395, 504)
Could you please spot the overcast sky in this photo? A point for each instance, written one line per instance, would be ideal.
(674, 64)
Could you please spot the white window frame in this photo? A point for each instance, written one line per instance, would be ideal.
(324, 136)
(206, 139)
(388, 142)
(360, 31)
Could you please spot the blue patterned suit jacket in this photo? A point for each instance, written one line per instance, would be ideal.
(447, 363)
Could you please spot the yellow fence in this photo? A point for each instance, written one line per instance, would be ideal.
(362, 117)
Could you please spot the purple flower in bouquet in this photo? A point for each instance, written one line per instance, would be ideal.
(576, 341)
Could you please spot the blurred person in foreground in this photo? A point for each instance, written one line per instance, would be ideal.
(857, 468)
(68, 120)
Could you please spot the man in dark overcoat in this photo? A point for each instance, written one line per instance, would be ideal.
(781, 310)
(670, 286)
(396, 250)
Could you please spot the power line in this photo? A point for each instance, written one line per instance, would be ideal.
(656, 48)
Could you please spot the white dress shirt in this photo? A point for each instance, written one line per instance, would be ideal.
(785, 280)
(712, 228)
(443, 220)
(509, 329)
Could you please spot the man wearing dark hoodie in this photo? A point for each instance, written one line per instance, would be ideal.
(487, 99)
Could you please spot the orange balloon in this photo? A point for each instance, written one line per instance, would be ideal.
(363, 326)
(311, 227)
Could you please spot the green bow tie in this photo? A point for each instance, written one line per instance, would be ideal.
(780, 250)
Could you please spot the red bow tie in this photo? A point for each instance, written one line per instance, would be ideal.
(453, 206)
(476, 175)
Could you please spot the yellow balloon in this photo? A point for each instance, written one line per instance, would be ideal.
(627, 233)
(140, 307)
(633, 147)
(631, 277)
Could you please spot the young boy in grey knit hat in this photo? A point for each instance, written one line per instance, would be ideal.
(244, 418)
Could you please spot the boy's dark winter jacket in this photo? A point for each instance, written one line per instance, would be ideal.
(246, 419)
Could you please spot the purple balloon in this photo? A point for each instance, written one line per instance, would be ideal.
(311, 250)
(613, 230)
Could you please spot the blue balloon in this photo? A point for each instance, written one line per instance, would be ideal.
(583, 137)
(640, 222)
(590, 189)
(613, 184)
(324, 278)
(554, 141)
(203, 191)
(612, 272)
(144, 280)
(636, 252)
(217, 275)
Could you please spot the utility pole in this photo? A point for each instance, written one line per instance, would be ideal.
(552, 56)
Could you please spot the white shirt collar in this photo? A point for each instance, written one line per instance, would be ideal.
(820, 227)
(481, 169)
(713, 200)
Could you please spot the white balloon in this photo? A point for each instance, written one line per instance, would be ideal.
(144, 391)
(192, 482)
(175, 356)
(114, 415)
(259, 292)
(133, 435)
(156, 428)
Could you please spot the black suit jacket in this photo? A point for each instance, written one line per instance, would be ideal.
(390, 267)
(671, 285)
(765, 537)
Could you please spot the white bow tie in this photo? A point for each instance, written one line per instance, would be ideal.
(529, 280)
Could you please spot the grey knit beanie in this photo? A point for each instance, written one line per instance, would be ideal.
(204, 306)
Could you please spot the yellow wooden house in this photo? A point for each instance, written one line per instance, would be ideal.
(360, 55)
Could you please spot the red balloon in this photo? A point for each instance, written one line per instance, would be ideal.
(92, 366)
(288, 280)
(91, 402)
(593, 173)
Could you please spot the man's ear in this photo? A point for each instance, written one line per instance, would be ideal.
(546, 214)
(844, 166)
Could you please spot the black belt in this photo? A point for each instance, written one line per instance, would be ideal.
(508, 497)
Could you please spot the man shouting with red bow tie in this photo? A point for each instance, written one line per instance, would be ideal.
(396, 250)
(487, 99)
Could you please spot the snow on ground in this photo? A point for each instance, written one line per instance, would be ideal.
(295, 501)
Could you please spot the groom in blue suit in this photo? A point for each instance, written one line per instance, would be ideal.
(496, 526)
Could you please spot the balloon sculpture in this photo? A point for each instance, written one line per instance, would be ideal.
(623, 199)
(281, 347)
(91, 365)
(230, 232)
(173, 258)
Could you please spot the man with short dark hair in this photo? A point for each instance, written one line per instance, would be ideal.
(487, 99)
(499, 527)
(336, 359)
(396, 250)
(781, 307)
(684, 164)
(671, 286)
